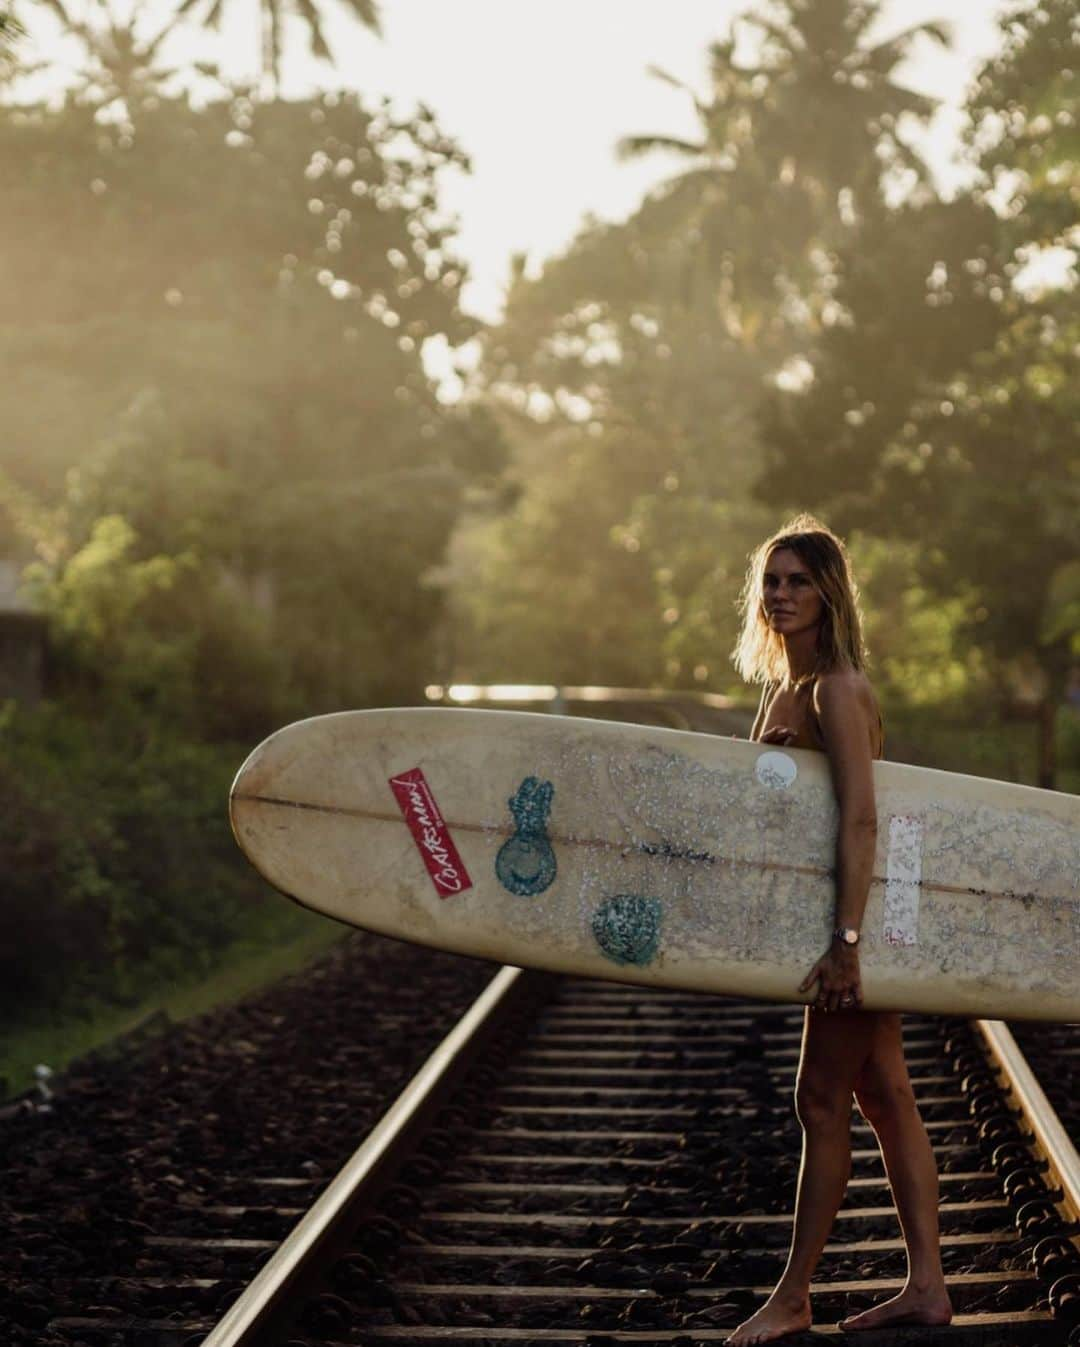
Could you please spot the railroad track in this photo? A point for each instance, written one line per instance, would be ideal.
(589, 1163)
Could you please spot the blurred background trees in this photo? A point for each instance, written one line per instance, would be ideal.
(801, 320)
(232, 488)
(272, 15)
(943, 407)
(238, 378)
(226, 477)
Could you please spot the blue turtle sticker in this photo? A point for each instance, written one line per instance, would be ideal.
(627, 928)
(525, 864)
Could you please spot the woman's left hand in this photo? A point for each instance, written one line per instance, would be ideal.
(838, 978)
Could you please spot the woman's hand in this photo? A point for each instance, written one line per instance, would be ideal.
(779, 734)
(838, 978)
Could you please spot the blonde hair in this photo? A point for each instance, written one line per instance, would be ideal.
(759, 653)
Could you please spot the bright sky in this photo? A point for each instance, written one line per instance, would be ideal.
(537, 92)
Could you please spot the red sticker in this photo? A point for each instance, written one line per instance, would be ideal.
(430, 833)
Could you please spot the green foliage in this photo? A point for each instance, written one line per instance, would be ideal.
(634, 364)
(272, 15)
(116, 854)
(570, 582)
(11, 31)
(554, 567)
(232, 479)
(275, 267)
(919, 660)
(1062, 613)
(698, 546)
(1025, 121)
(103, 605)
(944, 405)
(771, 190)
(171, 635)
(226, 453)
(274, 939)
(955, 427)
(1069, 745)
(199, 209)
(923, 405)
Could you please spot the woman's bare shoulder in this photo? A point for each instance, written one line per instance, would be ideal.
(844, 689)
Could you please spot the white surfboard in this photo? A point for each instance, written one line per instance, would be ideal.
(664, 857)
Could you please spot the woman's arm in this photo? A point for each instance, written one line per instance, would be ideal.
(759, 719)
(843, 715)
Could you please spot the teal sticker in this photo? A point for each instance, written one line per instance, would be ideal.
(627, 928)
(525, 864)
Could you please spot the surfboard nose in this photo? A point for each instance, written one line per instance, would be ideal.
(261, 778)
(243, 791)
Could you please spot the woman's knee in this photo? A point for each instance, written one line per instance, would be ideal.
(885, 1103)
(821, 1103)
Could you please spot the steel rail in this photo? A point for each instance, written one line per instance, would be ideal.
(267, 1298)
(1047, 1136)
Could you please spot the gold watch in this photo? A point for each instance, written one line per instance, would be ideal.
(847, 935)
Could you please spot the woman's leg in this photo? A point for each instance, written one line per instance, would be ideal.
(834, 1049)
(887, 1101)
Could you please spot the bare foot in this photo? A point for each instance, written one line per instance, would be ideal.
(909, 1307)
(779, 1316)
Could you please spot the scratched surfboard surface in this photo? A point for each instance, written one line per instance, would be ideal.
(663, 857)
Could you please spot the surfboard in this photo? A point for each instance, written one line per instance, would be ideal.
(664, 857)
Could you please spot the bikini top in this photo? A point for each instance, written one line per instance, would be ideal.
(809, 733)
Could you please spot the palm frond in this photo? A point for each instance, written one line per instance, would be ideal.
(633, 147)
(71, 24)
(149, 49)
(11, 32)
(940, 32)
(277, 41)
(213, 16)
(884, 57)
(308, 12)
(60, 10)
(720, 52)
(658, 73)
(787, 37)
(367, 11)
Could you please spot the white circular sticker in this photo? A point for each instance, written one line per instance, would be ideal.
(776, 770)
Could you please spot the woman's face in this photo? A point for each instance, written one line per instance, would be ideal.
(790, 598)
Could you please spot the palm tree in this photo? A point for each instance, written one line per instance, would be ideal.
(125, 63)
(272, 14)
(11, 30)
(121, 64)
(794, 146)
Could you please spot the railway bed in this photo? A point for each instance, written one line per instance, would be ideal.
(101, 1187)
(1054, 1053)
(614, 1164)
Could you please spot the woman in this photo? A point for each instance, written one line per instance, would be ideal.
(801, 637)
